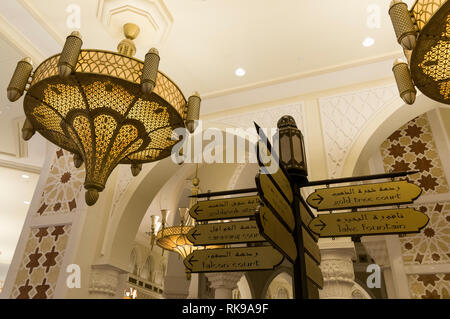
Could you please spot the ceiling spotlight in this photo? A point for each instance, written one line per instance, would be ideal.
(368, 42)
(25, 176)
(26, 202)
(239, 72)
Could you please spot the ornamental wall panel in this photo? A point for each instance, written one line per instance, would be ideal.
(345, 116)
(413, 147)
(40, 254)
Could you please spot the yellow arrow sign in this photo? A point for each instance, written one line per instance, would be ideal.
(368, 195)
(273, 198)
(310, 245)
(376, 222)
(225, 208)
(313, 272)
(233, 259)
(225, 233)
(276, 233)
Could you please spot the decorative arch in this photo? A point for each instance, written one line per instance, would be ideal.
(245, 288)
(133, 204)
(283, 272)
(390, 118)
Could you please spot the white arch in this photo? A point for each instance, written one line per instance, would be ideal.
(133, 205)
(389, 119)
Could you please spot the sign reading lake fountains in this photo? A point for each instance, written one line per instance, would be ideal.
(364, 223)
(368, 195)
(233, 259)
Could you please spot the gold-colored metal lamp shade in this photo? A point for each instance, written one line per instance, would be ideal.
(430, 60)
(175, 239)
(100, 113)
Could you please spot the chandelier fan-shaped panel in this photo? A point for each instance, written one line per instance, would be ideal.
(106, 108)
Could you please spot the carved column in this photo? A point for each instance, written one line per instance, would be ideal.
(105, 282)
(377, 249)
(337, 269)
(224, 283)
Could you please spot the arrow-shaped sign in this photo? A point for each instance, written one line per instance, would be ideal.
(233, 259)
(365, 223)
(227, 208)
(368, 195)
(272, 197)
(225, 233)
(276, 233)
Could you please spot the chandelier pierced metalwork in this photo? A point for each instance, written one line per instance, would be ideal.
(106, 108)
(424, 33)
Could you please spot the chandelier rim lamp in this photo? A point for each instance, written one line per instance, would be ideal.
(423, 32)
(106, 108)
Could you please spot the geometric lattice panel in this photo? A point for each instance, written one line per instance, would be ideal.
(432, 244)
(63, 187)
(429, 286)
(41, 262)
(412, 147)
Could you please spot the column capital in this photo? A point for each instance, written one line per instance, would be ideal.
(104, 281)
(337, 269)
(377, 249)
(224, 280)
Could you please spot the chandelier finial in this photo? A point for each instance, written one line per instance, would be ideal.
(126, 46)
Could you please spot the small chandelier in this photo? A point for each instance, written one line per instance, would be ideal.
(106, 108)
(423, 32)
(174, 238)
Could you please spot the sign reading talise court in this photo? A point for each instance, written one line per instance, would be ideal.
(368, 195)
(233, 259)
(225, 233)
(227, 208)
(274, 198)
(364, 223)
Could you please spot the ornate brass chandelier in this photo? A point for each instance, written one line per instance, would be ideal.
(174, 238)
(106, 108)
(424, 34)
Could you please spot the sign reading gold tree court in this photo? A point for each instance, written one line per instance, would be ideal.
(225, 208)
(233, 259)
(369, 195)
(377, 222)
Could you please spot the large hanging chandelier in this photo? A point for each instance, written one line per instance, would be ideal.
(424, 33)
(106, 108)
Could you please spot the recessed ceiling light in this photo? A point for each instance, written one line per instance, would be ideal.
(26, 202)
(25, 176)
(239, 72)
(368, 42)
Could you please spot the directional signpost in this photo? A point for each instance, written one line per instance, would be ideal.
(368, 195)
(279, 216)
(280, 223)
(364, 223)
